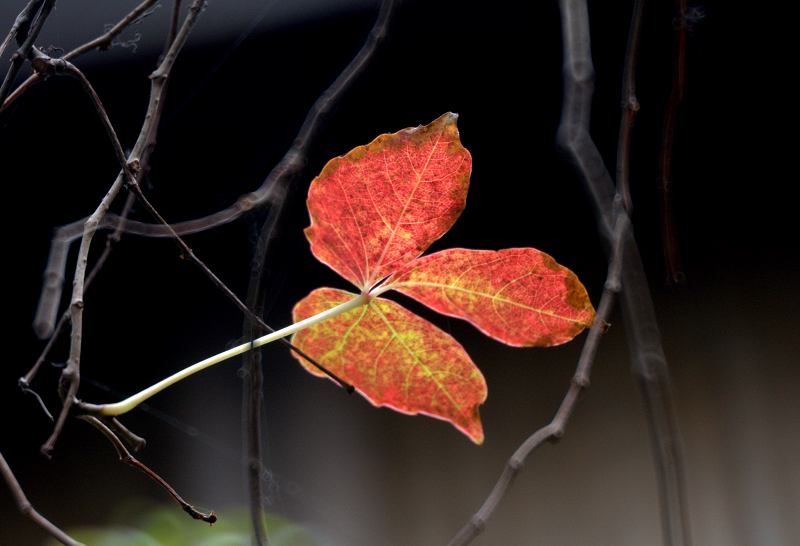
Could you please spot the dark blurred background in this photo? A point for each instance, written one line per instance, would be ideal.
(352, 474)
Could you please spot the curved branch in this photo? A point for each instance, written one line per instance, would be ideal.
(554, 430)
(126, 457)
(641, 327)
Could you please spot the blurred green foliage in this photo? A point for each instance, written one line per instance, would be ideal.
(168, 525)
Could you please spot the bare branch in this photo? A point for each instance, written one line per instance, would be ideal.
(641, 327)
(275, 189)
(554, 430)
(44, 64)
(104, 40)
(27, 509)
(669, 236)
(649, 362)
(28, 36)
(630, 106)
(101, 42)
(70, 377)
(126, 457)
(21, 24)
(173, 24)
(135, 441)
(190, 255)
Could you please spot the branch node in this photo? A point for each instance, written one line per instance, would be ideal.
(478, 522)
(516, 463)
(556, 433)
(135, 166)
(581, 379)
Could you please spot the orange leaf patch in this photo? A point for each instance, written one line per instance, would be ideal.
(519, 296)
(373, 212)
(394, 358)
(383, 204)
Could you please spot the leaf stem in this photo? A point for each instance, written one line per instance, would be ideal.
(131, 402)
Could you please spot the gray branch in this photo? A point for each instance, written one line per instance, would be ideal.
(644, 340)
(70, 377)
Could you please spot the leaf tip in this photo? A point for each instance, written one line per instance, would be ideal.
(476, 435)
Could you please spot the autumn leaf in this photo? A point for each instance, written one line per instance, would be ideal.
(374, 211)
(395, 358)
(519, 296)
(383, 204)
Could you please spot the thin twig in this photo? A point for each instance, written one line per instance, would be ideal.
(21, 24)
(101, 42)
(136, 442)
(630, 106)
(173, 24)
(126, 457)
(27, 44)
(27, 509)
(554, 430)
(669, 236)
(189, 254)
(70, 377)
(44, 63)
(130, 171)
(266, 194)
(104, 41)
(26, 389)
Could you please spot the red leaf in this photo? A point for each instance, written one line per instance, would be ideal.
(381, 205)
(519, 296)
(394, 358)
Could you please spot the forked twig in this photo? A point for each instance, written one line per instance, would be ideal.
(101, 42)
(641, 327)
(649, 362)
(70, 377)
(126, 457)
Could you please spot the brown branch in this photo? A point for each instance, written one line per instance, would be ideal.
(27, 509)
(101, 42)
(669, 236)
(555, 429)
(70, 377)
(135, 441)
(275, 188)
(126, 457)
